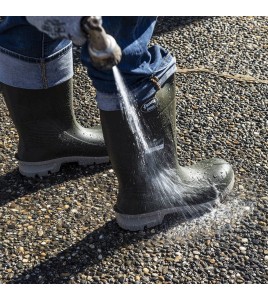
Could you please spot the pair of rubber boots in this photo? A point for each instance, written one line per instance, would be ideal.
(151, 185)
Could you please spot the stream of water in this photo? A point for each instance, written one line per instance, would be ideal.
(164, 184)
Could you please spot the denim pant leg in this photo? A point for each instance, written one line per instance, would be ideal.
(139, 63)
(29, 59)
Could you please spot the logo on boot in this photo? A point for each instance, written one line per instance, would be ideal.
(156, 145)
(149, 105)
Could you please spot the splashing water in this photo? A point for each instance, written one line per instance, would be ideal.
(224, 218)
(163, 184)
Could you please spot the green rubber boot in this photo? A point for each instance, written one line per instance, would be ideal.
(49, 134)
(152, 184)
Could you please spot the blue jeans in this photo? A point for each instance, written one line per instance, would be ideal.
(30, 59)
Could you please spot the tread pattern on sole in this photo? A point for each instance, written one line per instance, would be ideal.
(45, 168)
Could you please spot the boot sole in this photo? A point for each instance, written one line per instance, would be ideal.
(45, 168)
(148, 220)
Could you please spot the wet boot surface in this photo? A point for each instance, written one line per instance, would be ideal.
(49, 134)
(62, 228)
(151, 182)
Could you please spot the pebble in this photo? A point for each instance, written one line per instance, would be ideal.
(212, 261)
(40, 232)
(216, 116)
(169, 259)
(96, 278)
(164, 270)
(146, 270)
(178, 258)
(21, 250)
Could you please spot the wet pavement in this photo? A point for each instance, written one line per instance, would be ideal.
(61, 229)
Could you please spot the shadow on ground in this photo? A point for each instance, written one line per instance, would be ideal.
(13, 185)
(76, 259)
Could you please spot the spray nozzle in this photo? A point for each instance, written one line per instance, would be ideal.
(103, 49)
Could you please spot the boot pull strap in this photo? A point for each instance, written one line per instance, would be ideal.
(155, 80)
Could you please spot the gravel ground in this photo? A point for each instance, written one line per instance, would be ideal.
(61, 229)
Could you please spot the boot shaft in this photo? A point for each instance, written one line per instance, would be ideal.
(40, 117)
(28, 107)
(46, 124)
(158, 121)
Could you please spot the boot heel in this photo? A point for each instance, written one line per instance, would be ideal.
(139, 222)
(40, 169)
(142, 221)
(44, 168)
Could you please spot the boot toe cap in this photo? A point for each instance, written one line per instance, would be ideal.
(215, 171)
